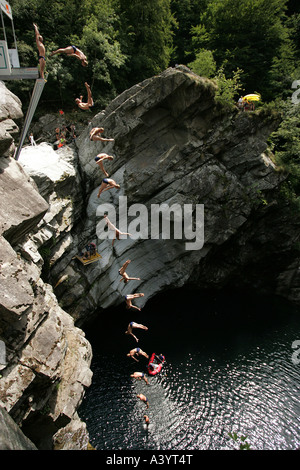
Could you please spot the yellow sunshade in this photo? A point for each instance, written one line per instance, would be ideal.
(252, 97)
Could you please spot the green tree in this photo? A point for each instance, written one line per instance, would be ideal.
(146, 37)
(99, 38)
(228, 88)
(247, 35)
(285, 143)
(187, 15)
(204, 64)
(88, 24)
(293, 25)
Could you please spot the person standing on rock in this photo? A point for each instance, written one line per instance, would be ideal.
(125, 277)
(113, 227)
(99, 160)
(90, 101)
(41, 50)
(72, 51)
(57, 133)
(139, 376)
(31, 138)
(72, 131)
(134, 325)
(129, 298)
(137, 351)
(95, 135)
(107, 183)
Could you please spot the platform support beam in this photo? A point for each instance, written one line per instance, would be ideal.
(36, 94)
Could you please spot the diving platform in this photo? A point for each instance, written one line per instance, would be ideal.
(10, 70)
(88, 260)
(21, 73)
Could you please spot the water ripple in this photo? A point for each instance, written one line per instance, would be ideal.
(199, 398)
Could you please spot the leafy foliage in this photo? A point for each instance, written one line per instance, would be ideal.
(146, 34)
(90, 25)
(228, 88)
(187, 15)
(248, 35)
(204, 64)
(244, 445)
(248, 44)
(128, 41)
(285, 143)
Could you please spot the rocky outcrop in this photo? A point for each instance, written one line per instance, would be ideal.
(47, 358)
(173, 145)
(10, 114)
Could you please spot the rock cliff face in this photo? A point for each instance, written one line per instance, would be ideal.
(11, 437)
(10, 114)
(45, 358)
(172, 145)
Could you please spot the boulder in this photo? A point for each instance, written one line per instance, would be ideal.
(22, 207)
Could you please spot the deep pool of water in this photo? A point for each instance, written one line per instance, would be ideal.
(230, 368)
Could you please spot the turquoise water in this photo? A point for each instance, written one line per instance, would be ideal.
(229, 369)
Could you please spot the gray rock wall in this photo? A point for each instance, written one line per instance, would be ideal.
(46, 359)
(173, 145)
(10, 114)
(11, 436)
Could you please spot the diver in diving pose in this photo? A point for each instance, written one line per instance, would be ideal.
(147, 420)
(117, 231)
(139, 376)
(131, 325)
(90, 101)
(137, 351)
(99, 160)
(72, 51)
(107, 183)
(41, 50)
(128, 299)
(95, 135)
(125, 277)
(144, 399)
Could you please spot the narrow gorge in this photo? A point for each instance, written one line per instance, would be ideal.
(172, 145)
